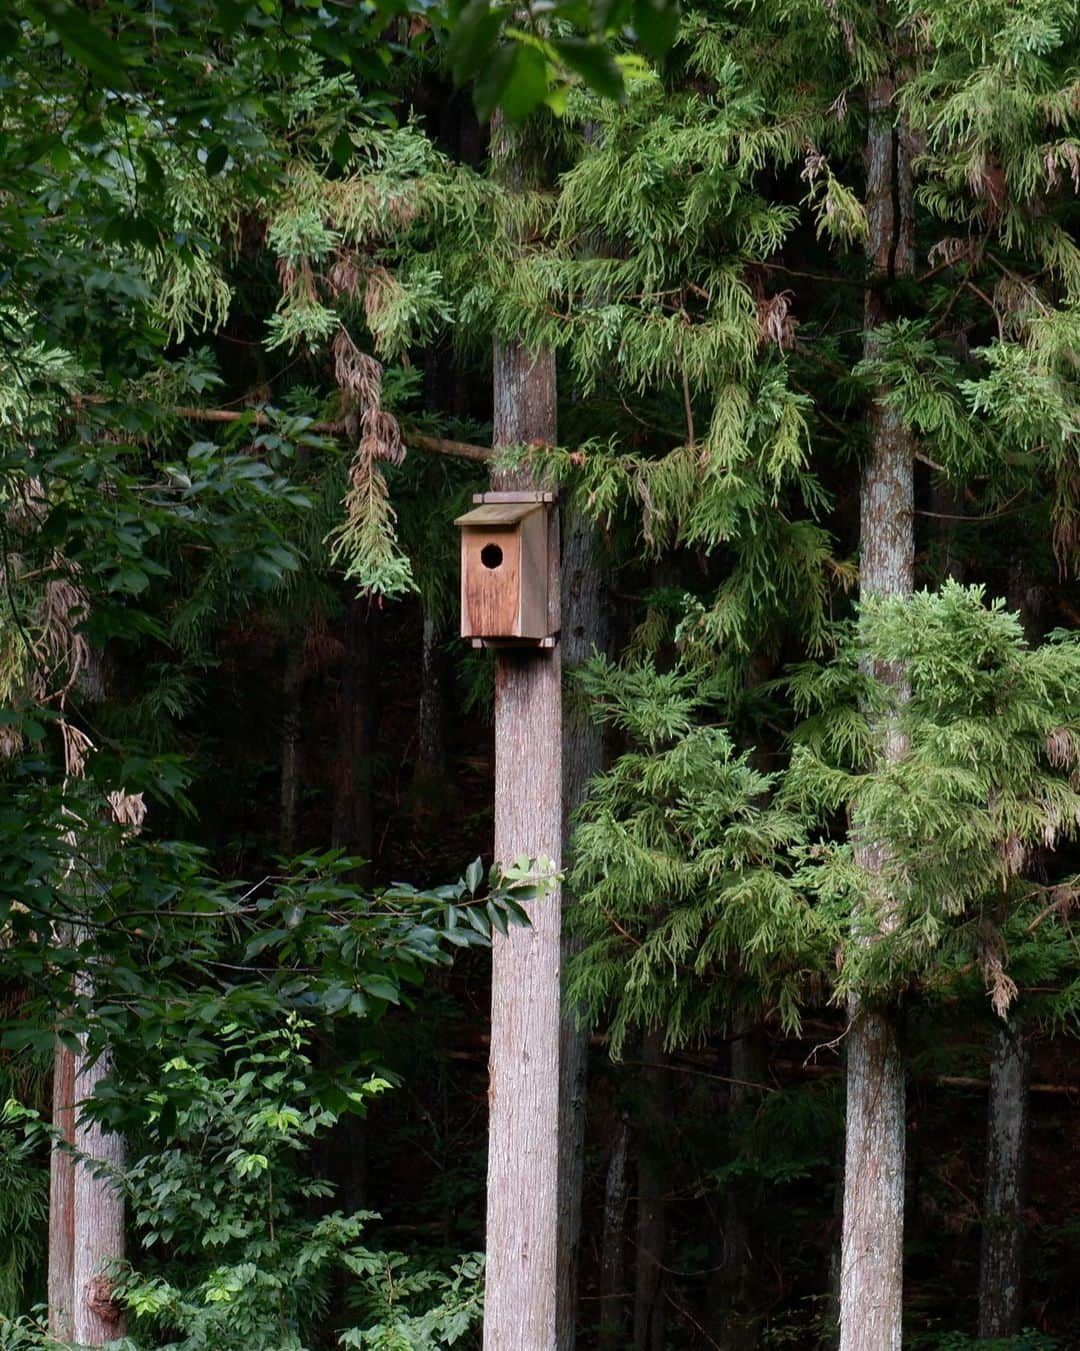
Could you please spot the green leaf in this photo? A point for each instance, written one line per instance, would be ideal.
(473, 38)
(491, 85)
(474, 875)
(656, 23)
(594, 63)
(216, 160)
(131, 580)
(83, 41)
(527, 84)
(342, 150)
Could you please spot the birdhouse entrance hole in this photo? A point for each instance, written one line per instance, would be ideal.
(491, 555)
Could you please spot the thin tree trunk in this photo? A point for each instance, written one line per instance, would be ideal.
(652, 1197)
(1001, 1265)
(871, 1277)
(429, 776)
(730, 1286)
(99, 1217)
(584, 630)
(291, 725)
(351, 826)
(948, 508)
(523, 1093)
(62, 1197)
(613, 1240)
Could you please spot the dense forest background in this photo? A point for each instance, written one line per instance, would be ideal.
(254, 260)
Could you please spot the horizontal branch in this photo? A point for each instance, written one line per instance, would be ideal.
(437, 445)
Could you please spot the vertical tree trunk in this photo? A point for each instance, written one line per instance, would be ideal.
(1001, 1264)
(871, 1277)
(584, 629)
(62, 1198)
(653, 1145)
(523, 1093)
(351, 827)
(613, 1240)
(291, 724)
(730, 1289)
(430, 774)
(99, 1218)
(947, 507)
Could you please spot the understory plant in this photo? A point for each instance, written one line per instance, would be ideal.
(242, 1246)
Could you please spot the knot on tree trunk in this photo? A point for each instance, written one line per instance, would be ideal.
(100, 1301)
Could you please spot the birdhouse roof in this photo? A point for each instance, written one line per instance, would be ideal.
(499, 513)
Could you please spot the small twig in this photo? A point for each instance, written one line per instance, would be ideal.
(827, 1045)
(985, 516)
(707, 1074)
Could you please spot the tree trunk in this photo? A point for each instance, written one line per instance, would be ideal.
(1001, 1264)
(62, 1197)
(613, 1240)
(730, 1288)
(584, 629)
(99, 1217)
(523, 1092)
(351, 827)
(291, 725)
(653, 1146)
(871, 1276)
(430, 744)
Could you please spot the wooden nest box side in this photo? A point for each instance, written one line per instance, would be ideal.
(509, 558)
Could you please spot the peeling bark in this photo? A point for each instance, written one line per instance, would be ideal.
(871, 1279)
(99, 1217)
(523, 1093)
(871, 1276)
(62, 1197)
(1001, 1263)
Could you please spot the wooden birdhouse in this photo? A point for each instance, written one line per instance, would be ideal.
(509, 570)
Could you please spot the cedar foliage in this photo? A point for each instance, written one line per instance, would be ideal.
(695, 258)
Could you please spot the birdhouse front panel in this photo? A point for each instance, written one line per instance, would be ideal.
(504, 571)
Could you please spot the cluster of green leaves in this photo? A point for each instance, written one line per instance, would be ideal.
(238, 1247)
(226, 1194)
(166, 948)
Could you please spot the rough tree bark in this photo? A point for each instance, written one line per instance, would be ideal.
(613, 1240)
(523, 1135)
(523, 1093)
(871, 1276)
(1001, 1263)
(98, 1215)
(62, 1197)
(655, 1120)
(584, 629)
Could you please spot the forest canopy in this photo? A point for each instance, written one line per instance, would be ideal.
(716, 949)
